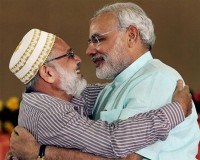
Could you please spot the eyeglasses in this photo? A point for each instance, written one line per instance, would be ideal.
(97, 38)
(69, 54)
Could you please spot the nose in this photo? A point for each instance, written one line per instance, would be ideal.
(77, 58)
(91, 49)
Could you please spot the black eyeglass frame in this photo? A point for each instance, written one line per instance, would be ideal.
(69, 54)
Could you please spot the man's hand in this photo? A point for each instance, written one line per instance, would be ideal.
(23, 145)
(183, 97)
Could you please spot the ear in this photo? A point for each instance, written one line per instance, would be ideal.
(132, 35)
(47, 73)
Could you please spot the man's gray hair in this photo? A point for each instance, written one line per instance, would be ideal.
(131, 14)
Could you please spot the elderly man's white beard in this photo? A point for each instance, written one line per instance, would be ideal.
(70, 83)
(115, 61)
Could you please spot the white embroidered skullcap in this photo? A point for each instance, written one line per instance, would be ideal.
(31, 54)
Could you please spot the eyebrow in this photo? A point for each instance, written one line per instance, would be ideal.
(95, 34)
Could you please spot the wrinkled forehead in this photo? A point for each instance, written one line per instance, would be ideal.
(60, 46)
(103, 23)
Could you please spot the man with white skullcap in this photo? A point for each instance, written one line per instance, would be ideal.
(56, 104)
(31, 54)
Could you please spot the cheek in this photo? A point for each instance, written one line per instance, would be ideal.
(71, 67)
(106, 46)
(57, 80)
(104, 52)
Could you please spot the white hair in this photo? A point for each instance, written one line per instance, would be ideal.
(115, 62)
(69, 82)
(131, 14)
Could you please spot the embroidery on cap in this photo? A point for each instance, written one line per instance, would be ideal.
(28, 51)
(42, 57)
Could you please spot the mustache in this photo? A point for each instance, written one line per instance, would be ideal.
(98, 56)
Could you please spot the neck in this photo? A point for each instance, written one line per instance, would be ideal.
(48, 89)
(137, 51)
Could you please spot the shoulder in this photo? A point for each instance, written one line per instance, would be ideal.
(156, 68)
(45, 103)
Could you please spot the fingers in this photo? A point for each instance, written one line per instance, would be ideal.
(187, 89)
(179, 85)
(184, 97)
(15, 133)
(190, 108)
(8, 155)
(14, 137)
(19, 129)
